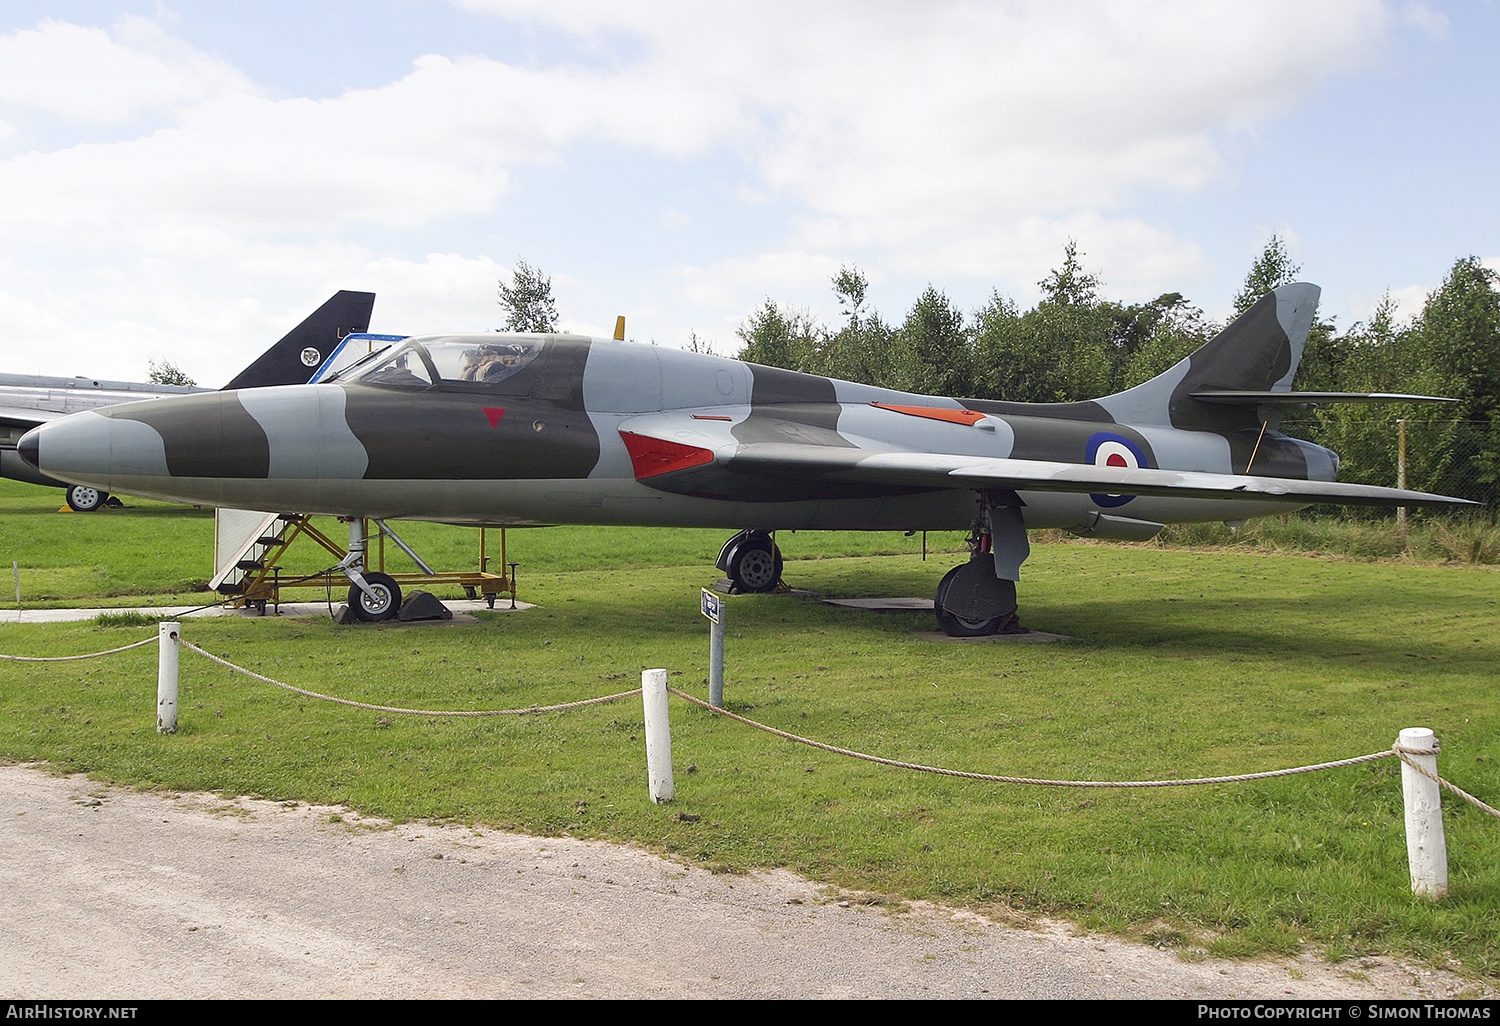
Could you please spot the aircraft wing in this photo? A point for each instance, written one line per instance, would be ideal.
(21, 417)
(697, 459)
(939, 470)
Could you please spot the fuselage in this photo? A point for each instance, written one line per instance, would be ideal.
(536, 429)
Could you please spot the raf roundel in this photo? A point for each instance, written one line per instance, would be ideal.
(1107, 449)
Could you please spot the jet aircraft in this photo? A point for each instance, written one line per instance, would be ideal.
(29, 400)
(507, 429)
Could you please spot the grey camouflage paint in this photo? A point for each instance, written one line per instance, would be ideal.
(719, 444)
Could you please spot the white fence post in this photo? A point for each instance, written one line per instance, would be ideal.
(658, 735)
(1426, 847)
(166, 676)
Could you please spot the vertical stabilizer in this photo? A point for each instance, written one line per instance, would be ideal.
(294, 359)
(1258, 352)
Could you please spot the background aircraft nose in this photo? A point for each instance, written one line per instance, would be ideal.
(28, 447)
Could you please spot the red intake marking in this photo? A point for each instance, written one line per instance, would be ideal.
(968, 417)
(493, 414)
(652, 456)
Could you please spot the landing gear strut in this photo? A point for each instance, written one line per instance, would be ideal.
(372, 596)
(752, 561)
(979, 597)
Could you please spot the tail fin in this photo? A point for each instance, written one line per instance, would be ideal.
(302, 350)
(1258, 352)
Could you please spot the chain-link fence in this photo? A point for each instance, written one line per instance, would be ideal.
(1448, 457)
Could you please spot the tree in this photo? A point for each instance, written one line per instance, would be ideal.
(1272, 269)
(778, 338)
(1459, 330)
(850, 285)
(528, 300)
(1060, 350)
(1172, 327)
(168, 373)
(1070, 284)
(939, 345)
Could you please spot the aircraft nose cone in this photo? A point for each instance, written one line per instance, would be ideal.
(29, 447)
(93, 447)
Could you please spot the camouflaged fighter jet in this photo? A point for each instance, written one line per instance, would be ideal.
(513, 429)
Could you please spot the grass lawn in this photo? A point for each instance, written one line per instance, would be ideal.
(1187, 663)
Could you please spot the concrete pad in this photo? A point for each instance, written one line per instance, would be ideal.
(1029, 638)
(883, 603)
(288, 609)
(724, 586)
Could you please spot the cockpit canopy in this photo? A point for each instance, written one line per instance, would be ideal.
(473, 361)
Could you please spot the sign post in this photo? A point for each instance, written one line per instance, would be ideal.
(713, 608)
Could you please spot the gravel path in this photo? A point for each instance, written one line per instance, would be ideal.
(109, 892)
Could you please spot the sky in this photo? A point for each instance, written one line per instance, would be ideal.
(184, 181)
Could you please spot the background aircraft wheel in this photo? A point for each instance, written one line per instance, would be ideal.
(755, 565)
(958, 626)
(83, 499)
(385, 604)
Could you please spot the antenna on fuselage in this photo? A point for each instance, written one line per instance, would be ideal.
(620, 328)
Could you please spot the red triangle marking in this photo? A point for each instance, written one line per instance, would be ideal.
(493, 414)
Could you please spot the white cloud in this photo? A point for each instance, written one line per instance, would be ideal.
(940, 139)
(1433, 23)
(740, 283)
(928, 130)
(82, 74)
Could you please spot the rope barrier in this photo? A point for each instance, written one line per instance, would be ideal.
(1401, 753)
(1033, 780)
(1396, 750)
(90, 655)
(409, 712)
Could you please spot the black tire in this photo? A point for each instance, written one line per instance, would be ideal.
(956, 626)
(83, 499)
(755, 565)
(386, 603)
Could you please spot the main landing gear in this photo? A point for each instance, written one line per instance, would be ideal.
(979, 597)
(752, 561)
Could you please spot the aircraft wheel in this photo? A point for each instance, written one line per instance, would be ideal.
(755, 565)
(384, 605)
(83, 499)
(957, 625)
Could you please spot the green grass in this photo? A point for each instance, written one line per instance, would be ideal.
(1186, 662)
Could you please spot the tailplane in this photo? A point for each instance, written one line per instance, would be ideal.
(293, 360)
